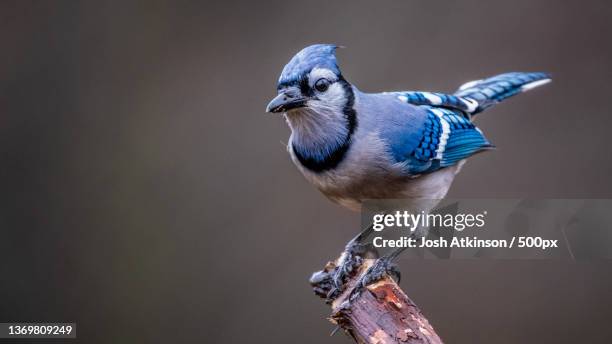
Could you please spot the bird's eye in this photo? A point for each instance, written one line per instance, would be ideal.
(322, 85)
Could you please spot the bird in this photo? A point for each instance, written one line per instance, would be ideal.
(355, 146)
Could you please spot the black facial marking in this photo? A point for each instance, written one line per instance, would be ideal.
(334, 158)
(304, 87)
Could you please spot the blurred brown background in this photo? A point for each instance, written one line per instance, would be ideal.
(148, 197)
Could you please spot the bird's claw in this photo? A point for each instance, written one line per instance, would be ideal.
(321, 283)
(329, 284)
(342, 273)
(348, 265)
(376, 272)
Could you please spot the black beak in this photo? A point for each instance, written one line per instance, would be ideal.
(286, 101)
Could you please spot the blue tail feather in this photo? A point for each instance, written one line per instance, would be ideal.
(488, 92)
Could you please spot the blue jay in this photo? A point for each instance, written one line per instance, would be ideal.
(355, 146)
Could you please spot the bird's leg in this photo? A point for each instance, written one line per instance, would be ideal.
(329, 284)
(383, 265)
(350, 261)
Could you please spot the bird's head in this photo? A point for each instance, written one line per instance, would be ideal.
(311, 82)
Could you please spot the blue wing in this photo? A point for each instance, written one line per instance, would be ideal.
(447, 134)
(435, 99)
(443, 137)
(447, 137)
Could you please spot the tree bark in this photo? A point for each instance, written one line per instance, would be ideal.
(380, 314)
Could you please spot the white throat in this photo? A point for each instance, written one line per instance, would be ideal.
(318, 131)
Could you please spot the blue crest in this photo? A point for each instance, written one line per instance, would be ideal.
(317, 55)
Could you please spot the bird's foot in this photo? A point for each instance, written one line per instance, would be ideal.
(321, 283)
(381, 267)
(349, 263)
(329, 283)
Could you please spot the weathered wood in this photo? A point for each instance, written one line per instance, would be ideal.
(380, 314)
